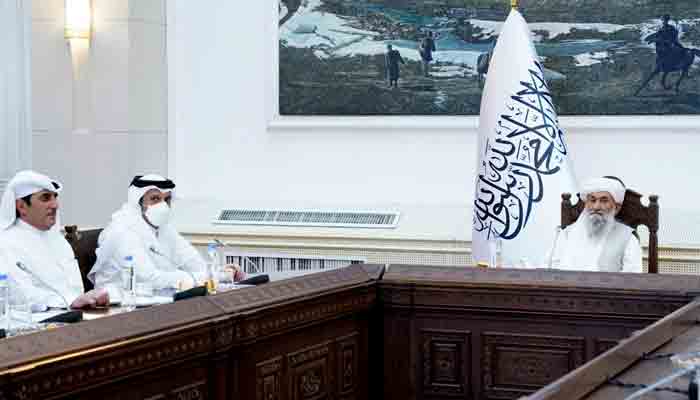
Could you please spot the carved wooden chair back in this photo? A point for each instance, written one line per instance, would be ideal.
(633, 213)
(84, 244)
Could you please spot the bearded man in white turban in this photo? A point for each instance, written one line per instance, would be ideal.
(141, 230)
(596, 241)
(35, 255)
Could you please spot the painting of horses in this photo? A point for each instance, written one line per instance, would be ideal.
(430, 57)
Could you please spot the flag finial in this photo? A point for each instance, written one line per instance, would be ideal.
(514, 4)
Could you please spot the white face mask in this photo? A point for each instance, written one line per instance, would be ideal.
(159, 214)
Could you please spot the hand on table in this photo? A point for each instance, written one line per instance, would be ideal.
(93, 298)
(233, 272)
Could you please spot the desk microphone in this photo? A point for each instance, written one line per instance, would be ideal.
(255, 280)
(219, 243)
(557, 232)
(24, 268)
(177, 266)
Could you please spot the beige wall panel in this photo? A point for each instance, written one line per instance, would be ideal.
(51, 77)
(151, 11)
(109, 59)
(147, 78)
(109, 10)
(48, 10)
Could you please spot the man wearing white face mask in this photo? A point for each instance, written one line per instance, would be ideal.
(140, 229)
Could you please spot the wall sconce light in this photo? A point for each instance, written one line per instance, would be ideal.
(78, 19)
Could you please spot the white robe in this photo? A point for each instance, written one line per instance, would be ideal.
(576, 250)
(129, 235)
(46, 254)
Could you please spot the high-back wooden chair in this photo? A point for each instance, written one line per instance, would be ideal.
(633, 213)
(84, 244)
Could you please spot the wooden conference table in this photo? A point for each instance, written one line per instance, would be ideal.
(361, 332)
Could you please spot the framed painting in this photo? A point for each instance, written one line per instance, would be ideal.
(430, 57)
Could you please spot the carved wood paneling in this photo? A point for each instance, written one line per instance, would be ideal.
(108, 368)
(289, 288)
(302, 314)
(446, 356)
(268, 379)
(420, 275)
(194, 391)
(223, 336)
(347, 359)
(515, 365)
(310, 375)
(563, 301)
(600, 346)
(90, 334)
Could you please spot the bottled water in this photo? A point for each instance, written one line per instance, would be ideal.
(4, 302)
(128, 283)
(496, 252)
(213, 266)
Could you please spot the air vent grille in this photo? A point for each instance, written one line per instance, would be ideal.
(345, 219)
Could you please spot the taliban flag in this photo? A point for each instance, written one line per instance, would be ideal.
(522, 160)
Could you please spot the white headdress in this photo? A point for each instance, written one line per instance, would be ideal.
(138, 187)
(24, 183)
(612, 186)
(128, 214)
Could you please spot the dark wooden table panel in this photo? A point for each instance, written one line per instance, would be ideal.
(414, 332)
(640, 359)
(501, 334)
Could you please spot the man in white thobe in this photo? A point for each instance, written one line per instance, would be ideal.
(141, 229)
(40, 263)
(596, 241)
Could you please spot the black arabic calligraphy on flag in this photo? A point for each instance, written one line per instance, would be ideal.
(526, 146)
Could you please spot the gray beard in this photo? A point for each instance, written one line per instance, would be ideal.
(596, 223)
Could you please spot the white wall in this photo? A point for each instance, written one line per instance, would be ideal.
(99, 117)
(15, 89)
(219, 61)
(222, 90)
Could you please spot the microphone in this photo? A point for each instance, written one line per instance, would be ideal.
(557, 232)
(24, 268)
(177, 266)
(255, 280)
(219, 243)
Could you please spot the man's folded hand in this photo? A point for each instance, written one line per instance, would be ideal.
(91, 299)
(233, 272)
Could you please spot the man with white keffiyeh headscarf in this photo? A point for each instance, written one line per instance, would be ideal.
(140, 229)
(596, 241)
(40, 263)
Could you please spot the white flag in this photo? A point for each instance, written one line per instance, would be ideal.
(523, 162)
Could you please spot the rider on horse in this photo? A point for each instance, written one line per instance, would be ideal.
(671, 55)
(668, 48)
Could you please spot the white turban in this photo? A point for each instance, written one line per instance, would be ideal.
(612, 186)
(23, 184)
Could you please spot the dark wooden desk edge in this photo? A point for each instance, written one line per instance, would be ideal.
(225, 329)
(582, 381)
(537, 278)
(235, 319)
